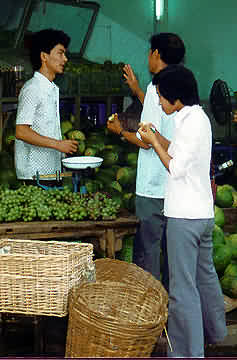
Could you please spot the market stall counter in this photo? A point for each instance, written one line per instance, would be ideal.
(108, 234)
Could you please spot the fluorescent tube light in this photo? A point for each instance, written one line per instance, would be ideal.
(159, 9)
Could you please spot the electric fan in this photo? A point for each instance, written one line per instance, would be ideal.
(221, 106)
(222, 110)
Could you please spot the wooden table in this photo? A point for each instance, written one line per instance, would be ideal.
(109, 234)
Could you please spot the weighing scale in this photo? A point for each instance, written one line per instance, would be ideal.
(81, 166)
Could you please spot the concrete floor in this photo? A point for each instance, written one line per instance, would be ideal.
(21, 338)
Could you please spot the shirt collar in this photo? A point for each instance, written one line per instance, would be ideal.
(44, 80)
(181, 114)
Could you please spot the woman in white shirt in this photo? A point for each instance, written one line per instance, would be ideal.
(196, 304)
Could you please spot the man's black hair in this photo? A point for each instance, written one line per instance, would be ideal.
(170, 47)
(45, 40)
(176, 82)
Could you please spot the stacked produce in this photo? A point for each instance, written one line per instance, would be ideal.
(110, 187)
(225, 244)
(117, 174)
(81, 78)
(31, 203)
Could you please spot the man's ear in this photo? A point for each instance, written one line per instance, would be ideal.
(156, 53)
(43, 56)
(178, 105)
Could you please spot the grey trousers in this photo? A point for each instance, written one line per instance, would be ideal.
(147, 242)
(196, 304)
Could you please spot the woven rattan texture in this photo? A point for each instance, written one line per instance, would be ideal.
(121, 271)
(120, 317)
(36, 276)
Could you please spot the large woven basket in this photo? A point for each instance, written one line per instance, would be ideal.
(111, 319)
(36, 276)
(121, 271)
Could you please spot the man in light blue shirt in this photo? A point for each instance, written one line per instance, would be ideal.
(165, 48)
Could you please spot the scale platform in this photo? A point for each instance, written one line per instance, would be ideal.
(80, 166)
(82, 162)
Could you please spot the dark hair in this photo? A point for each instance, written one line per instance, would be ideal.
(45, 40)
(175, 82)
(170, 47)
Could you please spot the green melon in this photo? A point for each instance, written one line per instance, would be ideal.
(66, 125)
(221, 257)
(231, 240)
(231, 270)
(76, 135)
(218, 236)
(224, 197)
(219, 216)
(126, 175)
(131, 159)
(226, 284)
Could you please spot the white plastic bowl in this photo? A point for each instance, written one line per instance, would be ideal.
(82, 162)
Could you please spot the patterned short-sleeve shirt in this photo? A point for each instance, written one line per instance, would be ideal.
(38, 106)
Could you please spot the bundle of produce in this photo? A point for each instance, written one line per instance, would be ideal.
(31, 203)
(117, 174)
(126, 253)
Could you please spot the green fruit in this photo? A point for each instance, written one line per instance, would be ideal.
(228, 187)
(81, 147)
(231, 240)
(66, 125)
(224, 197)
(226, 284)
(132, 159)
(116, 186)
(109, 158)
(231, 270)
(90, 152)
(8, 176)
(129, 201)
(76, 135)
(218, 236)
(234, 194)
(219, 216)
(92, 186)
(10, 139)
(126, 175)
(229, 286)
(234, 288)
(221, 257)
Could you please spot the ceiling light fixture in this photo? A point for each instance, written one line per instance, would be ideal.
(159, 9)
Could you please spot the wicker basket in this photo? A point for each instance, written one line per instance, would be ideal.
(111, 319)
(121, 271)
(36, 276)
